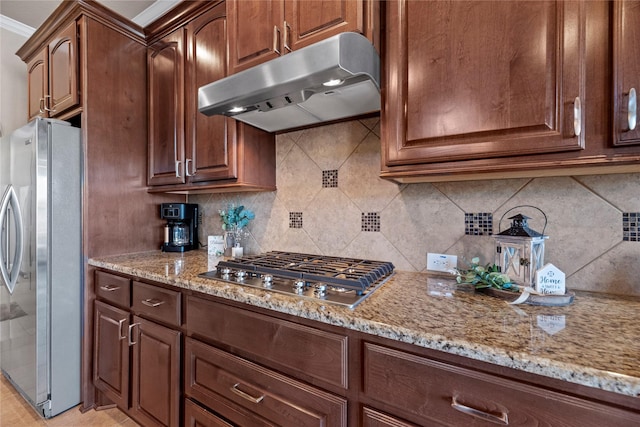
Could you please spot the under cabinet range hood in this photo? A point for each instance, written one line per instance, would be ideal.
(333, 79)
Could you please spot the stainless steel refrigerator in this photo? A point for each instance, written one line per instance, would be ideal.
(41, 264)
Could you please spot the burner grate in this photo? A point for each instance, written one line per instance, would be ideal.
(350, 273)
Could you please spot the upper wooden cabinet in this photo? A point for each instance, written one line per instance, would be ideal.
(165, 67)
(188, 151)
(261, 30)
(469, 79)
(52, 76)
(626, 71)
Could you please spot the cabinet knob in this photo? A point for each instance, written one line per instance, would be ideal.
(632, 109)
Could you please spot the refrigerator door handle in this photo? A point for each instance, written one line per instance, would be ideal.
(11, 272)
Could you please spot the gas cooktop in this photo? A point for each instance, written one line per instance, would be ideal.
(335, 280)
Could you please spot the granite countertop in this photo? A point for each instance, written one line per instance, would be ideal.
(594, 342)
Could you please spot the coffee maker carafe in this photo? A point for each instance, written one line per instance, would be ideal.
(181, 230)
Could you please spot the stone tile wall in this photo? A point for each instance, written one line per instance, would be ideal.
(331, 201)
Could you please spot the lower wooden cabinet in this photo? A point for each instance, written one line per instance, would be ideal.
(111, 353)
(436, 393)
(155, 373)
(216, 378)
(136, 361)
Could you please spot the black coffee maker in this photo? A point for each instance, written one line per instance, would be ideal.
(181, 230)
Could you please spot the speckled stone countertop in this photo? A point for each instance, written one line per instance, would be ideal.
(594, 342)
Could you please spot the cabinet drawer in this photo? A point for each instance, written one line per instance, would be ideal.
(112, 288)
(284, 345)
(373, 418)
(437, 393)
(157, 303)
(215, 377)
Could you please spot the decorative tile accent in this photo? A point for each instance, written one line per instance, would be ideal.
(478, 224)
(370, 221)
(330, 179)
(631, 226)
(295, 219)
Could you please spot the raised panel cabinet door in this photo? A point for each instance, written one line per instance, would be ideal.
(111, 353)
(626, 71)
(309, 21)
(155, 373)
(255, 32)
(482, 79)
(165, 68)
(63, 71)
(37, 85)
(211, 140)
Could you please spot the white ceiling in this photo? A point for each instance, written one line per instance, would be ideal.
(34, 12)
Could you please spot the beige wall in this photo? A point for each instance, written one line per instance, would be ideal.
(584, 213)
(13, 89)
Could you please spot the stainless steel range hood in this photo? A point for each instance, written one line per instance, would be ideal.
(292, 91)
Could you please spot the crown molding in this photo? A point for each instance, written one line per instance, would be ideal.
(16, 26)
(156, 10)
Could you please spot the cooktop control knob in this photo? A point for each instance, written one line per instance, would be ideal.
(241, 274)
(267, 280)
(225, 271)
(321, 290)
(298, 286)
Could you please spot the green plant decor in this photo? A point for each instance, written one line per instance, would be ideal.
(235, 217)
(488, 276)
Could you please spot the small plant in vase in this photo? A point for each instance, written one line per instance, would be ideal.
(234, 220)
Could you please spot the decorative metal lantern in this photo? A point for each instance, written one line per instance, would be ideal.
(520, 250)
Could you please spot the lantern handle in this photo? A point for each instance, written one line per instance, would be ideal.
(523, 206)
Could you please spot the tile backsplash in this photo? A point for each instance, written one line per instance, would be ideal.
(592, 221)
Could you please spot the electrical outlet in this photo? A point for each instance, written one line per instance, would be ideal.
(442, 262)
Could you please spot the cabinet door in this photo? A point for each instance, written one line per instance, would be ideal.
(309, 21)
(255, 32)
(63, 71)
(211, 141)
(155, 373)
(37, 84)
(195, 416)
(165, 67)
(626, 71)
(482, 79)
(111, 353)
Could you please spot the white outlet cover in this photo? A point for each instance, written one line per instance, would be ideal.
(442, 262)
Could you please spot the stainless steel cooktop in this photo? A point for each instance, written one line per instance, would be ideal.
(335, 280)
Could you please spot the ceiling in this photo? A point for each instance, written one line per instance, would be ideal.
(34, 12)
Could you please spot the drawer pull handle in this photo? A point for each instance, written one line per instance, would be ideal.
(131, 341)
(150, 302)
(577, 116)
(109, 288)
(632, 109)
(244, 395)
(497, 419)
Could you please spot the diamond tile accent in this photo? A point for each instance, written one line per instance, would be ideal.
(631, 226)
(295, 219)
(370, 221)
(478, 224)
(330, 179)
